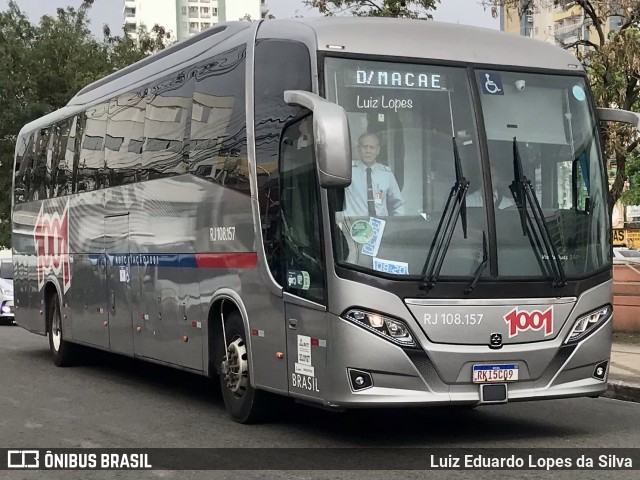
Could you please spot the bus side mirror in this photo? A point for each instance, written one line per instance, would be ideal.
(623, 116)
(331, 139)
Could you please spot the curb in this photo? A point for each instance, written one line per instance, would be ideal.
(622, 391)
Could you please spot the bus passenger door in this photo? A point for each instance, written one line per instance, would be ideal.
(118, 271)
(303, 266)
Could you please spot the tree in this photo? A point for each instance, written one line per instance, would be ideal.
(124, 50)
(43, 66)
(375, 8)
(612, 61)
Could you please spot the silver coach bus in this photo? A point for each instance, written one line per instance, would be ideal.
(193, 210)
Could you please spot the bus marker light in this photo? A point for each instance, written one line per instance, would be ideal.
(185, 338)
(336, 47)
(279, 355)
(40, 312)
(106, 323)
(257, 333)
(138, 329)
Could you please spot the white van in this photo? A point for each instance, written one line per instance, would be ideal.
(6, 287)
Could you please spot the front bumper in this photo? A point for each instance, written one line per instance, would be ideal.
(441, 373)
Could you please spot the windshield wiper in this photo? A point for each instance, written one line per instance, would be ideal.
(539, 237)
(455, 207)
(481, 267)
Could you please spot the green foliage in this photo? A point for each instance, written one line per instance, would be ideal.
(43, 66)
(376, 8)
(631, 194)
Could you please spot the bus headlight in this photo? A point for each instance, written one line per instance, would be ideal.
(588, 322)
(390, 328)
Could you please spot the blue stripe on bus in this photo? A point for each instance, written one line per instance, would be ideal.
(184, 260)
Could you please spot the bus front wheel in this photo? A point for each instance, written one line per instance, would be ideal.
(244, 403)
(61, 350)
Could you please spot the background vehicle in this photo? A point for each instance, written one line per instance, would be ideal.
(626, 255)
(6, 287)
(189, 210)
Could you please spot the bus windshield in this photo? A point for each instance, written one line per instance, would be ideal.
(412, 123)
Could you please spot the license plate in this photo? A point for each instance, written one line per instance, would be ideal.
(495, 373)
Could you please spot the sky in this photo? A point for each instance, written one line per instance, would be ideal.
(467, 12)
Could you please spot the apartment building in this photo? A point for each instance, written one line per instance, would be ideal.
(183, 18)
(553, 22)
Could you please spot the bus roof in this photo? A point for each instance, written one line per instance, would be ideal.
(438, 41)
(391, 37)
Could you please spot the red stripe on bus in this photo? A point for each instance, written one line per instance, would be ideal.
(227, 260)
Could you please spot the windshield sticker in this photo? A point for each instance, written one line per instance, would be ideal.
(578, 93)
(372, 246)
(491, 84)
(389, 266)
(361, 231)
(298, 279)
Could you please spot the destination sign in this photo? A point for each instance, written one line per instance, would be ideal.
(396, 78)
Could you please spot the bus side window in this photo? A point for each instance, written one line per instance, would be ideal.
(91, 164)
(218, 135)
(167, 116)
(125, 137)
(23, 167)
(273, 57)
(39, 167)
(302, 257)
(56, 176)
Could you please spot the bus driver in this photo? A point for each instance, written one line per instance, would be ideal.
(374, 190)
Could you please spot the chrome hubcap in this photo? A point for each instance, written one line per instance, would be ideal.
(55, 330)
(235, 367)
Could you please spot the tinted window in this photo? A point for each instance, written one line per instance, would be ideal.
(57, 169)
(273, 58)
(71, 155)
(125, 137)
(165, 128)
(39, 170)
(24, 160)
(300, 214)
(91, 171)
(218, 121)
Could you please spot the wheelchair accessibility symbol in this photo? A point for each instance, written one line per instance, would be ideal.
(492, 84)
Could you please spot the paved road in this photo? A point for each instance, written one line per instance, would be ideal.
(110, 401)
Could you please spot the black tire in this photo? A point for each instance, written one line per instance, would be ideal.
(244, 403)
(61, 350)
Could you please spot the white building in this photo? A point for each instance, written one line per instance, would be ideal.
(183, 18)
